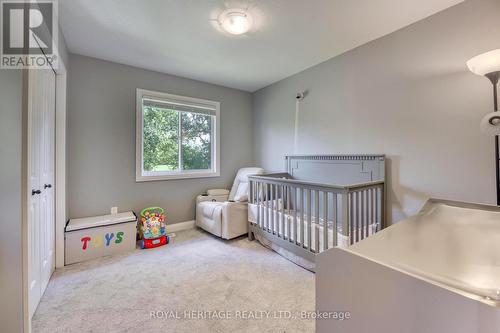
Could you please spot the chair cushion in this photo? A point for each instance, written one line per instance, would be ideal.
(241, 192)
(242, 178)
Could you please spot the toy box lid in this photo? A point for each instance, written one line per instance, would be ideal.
(100, 221)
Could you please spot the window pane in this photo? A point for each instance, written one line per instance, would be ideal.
(196, 141)
(161, 139)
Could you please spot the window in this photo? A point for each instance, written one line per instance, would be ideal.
(177, 137)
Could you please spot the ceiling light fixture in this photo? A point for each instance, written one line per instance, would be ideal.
(235, 21)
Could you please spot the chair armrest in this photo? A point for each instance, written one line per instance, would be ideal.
(217, 198)
(218, 192)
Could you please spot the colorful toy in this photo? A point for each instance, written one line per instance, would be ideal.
(152, 228)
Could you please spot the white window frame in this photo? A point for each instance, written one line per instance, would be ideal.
(140, 174)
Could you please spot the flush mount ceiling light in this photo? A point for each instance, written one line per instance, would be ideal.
(235, 21)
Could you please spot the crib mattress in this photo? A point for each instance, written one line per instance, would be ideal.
(454, 245)
(288, 218)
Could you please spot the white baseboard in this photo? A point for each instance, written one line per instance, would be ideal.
(176, 227)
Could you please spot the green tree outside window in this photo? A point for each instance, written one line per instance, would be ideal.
(167, 149)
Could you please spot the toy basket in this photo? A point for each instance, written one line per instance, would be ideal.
(152, 223)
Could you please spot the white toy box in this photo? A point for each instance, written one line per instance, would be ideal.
(92, 237)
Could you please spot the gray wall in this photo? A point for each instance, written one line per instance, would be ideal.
(408, 95)
(11, 319)
(62, 49)
(101, 134)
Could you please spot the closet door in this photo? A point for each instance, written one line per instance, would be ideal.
(47, 175)
(41, 161)
(34, 191)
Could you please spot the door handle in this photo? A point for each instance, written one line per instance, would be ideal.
(33, 192)
(47, 186)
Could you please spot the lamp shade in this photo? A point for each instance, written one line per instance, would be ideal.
(485, 63)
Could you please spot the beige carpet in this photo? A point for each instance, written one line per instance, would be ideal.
(237, 279)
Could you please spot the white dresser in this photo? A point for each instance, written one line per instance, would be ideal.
(436, 272)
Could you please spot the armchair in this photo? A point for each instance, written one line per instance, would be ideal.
(225, 213)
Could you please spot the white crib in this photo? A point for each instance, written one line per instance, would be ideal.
(322, 201)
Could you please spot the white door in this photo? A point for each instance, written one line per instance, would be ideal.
(41, 154)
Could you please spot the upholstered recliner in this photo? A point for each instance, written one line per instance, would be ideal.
(224, 213)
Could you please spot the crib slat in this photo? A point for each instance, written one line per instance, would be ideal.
(325, 221)
(271, 209)
(267, 207)
(351, 220)
(301, 216)
(295, 213)
(280, 212)
(274, 208)
(359, 212)
(250, 190)
(363, 228)
(334, 220)
(372, 209)
(345, 203)
(316, 222)
(360, 219)
(262, 204)
(376, 205)
(356, 225)
(258, 204)
(367, 212)
(277, 209)
(252, 200)
(308, 219)
(287, 221)
(383, 211)
(283, 215)
(255, 192)
(256, 201)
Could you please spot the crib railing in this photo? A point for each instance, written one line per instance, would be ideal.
(314, 216)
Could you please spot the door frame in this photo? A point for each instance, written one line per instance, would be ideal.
(60, 181)
(60, 164)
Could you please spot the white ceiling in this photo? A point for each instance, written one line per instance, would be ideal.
(179, 37)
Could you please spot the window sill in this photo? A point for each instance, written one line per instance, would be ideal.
(174, 176)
